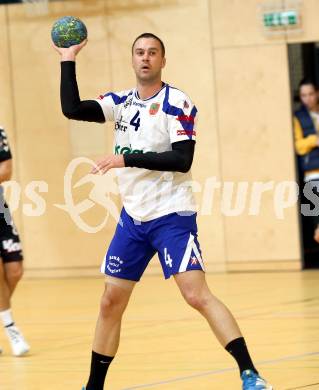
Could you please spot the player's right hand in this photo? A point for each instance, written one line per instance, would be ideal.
(69, 53)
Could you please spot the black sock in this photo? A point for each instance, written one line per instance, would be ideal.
(99, 367)
(238, 349)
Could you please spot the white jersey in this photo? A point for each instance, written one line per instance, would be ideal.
(151, 125)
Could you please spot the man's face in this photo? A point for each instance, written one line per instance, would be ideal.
(148, 60)
(309, 96)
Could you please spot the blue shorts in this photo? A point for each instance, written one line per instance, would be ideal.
(173, 237)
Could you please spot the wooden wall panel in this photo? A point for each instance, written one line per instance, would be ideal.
(217, 53)
(53, 240)
(48, 142)
(7, 101)
(257, 146)
(310, 28)
(236, 23)
(6, 98)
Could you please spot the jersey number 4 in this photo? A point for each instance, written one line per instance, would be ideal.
(168, 259)
(135, 121)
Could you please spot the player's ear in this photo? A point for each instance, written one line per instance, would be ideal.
(163, 62)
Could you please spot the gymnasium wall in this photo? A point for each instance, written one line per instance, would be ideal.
(217, 53)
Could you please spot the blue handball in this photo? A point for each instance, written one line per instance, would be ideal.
(68, 31)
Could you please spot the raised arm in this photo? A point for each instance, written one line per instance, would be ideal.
(72, 106)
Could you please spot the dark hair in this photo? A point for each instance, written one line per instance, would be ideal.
(308, 81)
(150, 35)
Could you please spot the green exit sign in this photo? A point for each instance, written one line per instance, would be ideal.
(281, 19)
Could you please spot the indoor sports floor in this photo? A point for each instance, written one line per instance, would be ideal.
(165, 344)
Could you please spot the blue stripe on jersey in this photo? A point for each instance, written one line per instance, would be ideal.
(118, 99)
(187, 121)
(169, 109)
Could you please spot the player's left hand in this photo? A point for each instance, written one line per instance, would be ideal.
(69, 53)
(107, 163)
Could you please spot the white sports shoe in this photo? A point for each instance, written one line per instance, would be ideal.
(18, 344)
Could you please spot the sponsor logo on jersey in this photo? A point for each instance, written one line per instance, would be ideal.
(186, 132)
(154, 108)
(138, 104)
(116, 258)
(193, 260)
(114, 264)
(128, 102)
(186, 118)
(120, 126)
(11, 246)
(118, 149)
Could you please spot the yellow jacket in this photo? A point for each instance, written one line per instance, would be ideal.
(303, 144)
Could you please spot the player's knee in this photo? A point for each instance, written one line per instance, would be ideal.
(112, 304)
(14, 274)
(196, 300)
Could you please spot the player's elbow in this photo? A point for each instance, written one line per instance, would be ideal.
(185, 166)
(71, 110)
(79, 114)
(70, 114)
(183, 154)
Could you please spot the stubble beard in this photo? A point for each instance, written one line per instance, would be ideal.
(148, 79)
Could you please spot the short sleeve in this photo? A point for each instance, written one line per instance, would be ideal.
(5, 153)
(182, 120)
(107, 104)
(111, 102)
